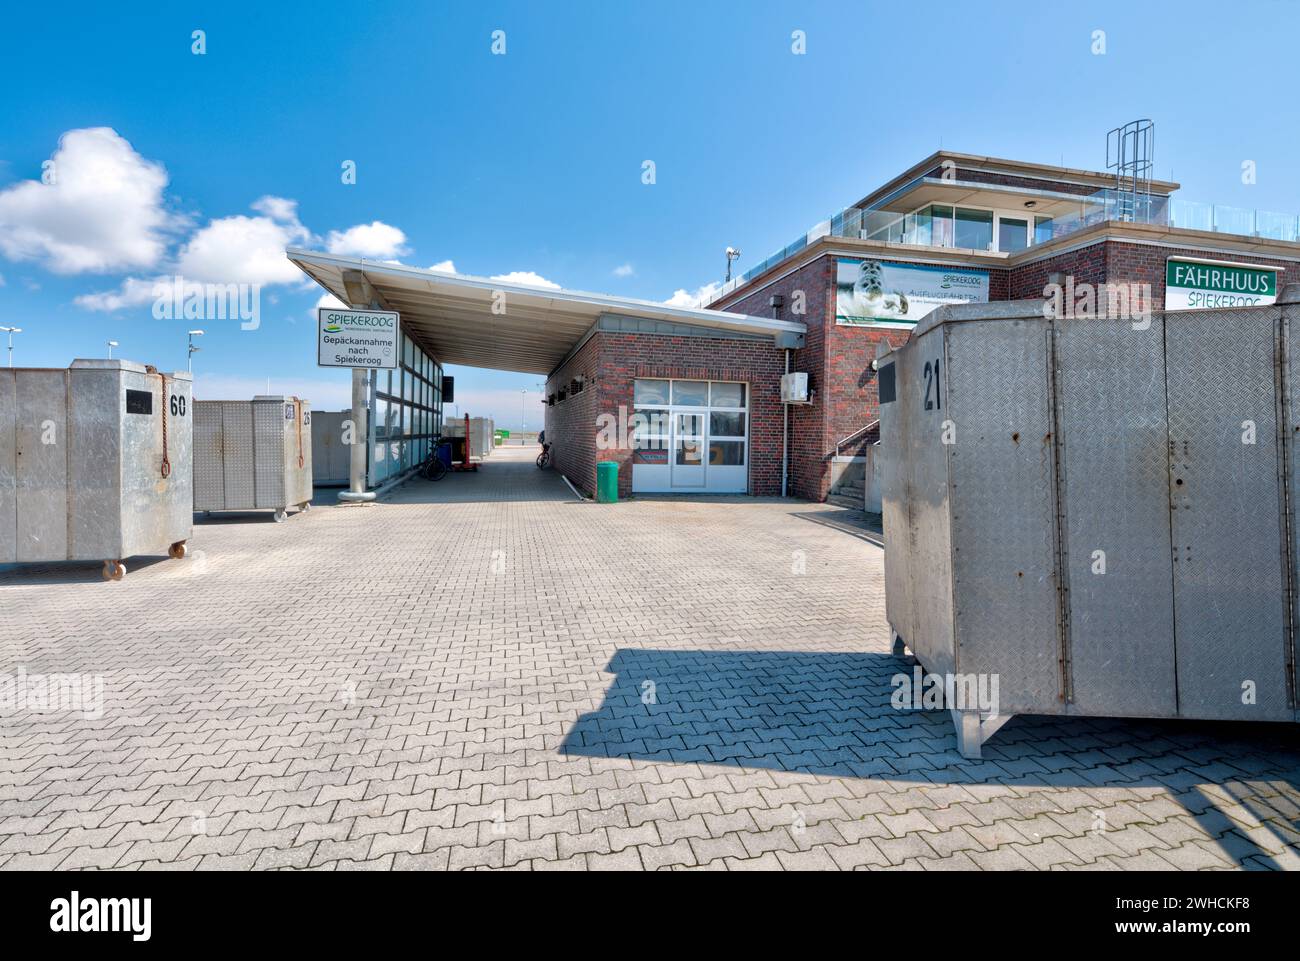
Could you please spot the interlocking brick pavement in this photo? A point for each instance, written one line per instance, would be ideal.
(484, 672)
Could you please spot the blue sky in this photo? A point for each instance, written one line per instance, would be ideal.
(532, 161)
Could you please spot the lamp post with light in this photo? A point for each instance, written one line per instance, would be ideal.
(192, 348)
(733, 253)
(11, 331)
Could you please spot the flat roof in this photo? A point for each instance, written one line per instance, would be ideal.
(1017, 168)
(479, 322)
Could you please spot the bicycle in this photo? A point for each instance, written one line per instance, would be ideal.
(433, 468)
(544, 458)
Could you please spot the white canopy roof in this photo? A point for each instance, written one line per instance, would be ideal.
(451, 315)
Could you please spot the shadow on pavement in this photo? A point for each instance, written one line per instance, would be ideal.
(830, 714)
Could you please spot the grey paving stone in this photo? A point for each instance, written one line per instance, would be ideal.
(300, 736)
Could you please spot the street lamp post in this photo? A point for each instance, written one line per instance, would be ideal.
(192, 348)
(111, 345)
(11, 331)
(523, 417)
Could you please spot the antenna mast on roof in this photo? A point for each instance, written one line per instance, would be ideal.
(1130, 152)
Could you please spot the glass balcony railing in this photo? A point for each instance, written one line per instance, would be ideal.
(969, 229)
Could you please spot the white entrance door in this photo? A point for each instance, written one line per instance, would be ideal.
(688, 451)
(690, 436)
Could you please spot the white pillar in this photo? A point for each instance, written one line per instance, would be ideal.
(360, 440)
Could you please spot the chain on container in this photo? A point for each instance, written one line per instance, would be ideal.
(166, 461)
(297, 405)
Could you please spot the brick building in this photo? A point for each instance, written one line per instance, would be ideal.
(689, 399)
(957, 227)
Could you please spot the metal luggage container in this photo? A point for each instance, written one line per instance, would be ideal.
(94, 463)
(253, 455)
(481, 430)
(331, 459)
(1096, 512)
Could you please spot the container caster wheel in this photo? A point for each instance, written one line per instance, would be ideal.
(177, 550)
(279, 516)
(113, 570)
(305, 507)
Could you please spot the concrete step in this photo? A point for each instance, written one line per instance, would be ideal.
(839, 499)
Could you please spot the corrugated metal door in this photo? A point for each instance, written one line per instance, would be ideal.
(8, 466)
(209, 469)
(1225, 504)
(923, 391)
(1291, 333)
(237, 455)
(1003, 510)
(894, 469)
(272, 420)
(1113, 451)
(42, 465)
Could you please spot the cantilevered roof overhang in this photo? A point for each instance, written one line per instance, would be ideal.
(531, 330)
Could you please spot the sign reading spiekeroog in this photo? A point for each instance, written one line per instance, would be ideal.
(1208, 284)
(357, 338)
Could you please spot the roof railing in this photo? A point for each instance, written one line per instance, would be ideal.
(916, 228)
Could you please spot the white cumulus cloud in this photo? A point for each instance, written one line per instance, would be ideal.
(624, 270)
(525, 278)
(443, 267)
(228, 250)
(100, 207)
(376, 241)
(702, 295)
(133, 292)
(101, 210)
(242, 250)
(277, 208)
(327, 300)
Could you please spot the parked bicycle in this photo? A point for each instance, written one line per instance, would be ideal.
(434, 468)
(544, 458)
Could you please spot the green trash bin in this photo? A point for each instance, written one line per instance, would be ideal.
(607, 482)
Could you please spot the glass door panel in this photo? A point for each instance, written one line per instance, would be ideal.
(688, 450)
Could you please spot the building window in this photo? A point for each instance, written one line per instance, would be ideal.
(650, 392)
(1013, 234)
(690, 435)
(974, 229)
(940, 220)
(690, 393)
(407, 410)
(941, 225)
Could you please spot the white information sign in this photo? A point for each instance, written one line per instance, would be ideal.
(357, 338)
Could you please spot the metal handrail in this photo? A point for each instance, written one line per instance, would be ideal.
(850, 437)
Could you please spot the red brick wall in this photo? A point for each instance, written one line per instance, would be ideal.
(1087, 265)
(625, 357)
(571, 424)
(613, 361)
(972, 175)
(838, 362)
(1114, 261)
(809, 472)
(838, 359)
